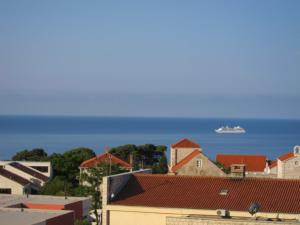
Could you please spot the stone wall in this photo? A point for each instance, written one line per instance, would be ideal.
(208, 168)
(291, 168)
(177, 154)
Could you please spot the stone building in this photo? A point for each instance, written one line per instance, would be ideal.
(286, 166)
(147, 199)
(187, 158)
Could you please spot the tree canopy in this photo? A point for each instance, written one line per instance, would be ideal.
(36, 154)
(144, 156)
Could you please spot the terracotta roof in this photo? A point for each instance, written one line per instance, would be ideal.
(185, 143)
(286, 156)
(29, 171)
(273, 164)
(204, 193)
(14, 177)
(104, 158)
(254, 163)
(185, 160)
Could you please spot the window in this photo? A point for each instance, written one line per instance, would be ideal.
(5, 191)
(43, 169)
(224, 192)
(199, 163)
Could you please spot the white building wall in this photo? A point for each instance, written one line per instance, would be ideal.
(24, 175)
(15, 187)
(29, 164)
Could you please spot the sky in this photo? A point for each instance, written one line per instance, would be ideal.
(215, 58)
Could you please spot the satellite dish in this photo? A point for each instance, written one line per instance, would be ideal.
(254, 208)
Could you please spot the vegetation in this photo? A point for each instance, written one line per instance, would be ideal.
(222, 167)
(66, 169)
(66, 165)
(37, 154)
(144, 156)
(93, 176)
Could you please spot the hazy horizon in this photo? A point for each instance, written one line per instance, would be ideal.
(203, 59)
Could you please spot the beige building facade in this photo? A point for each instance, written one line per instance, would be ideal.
(286, 166)
(23, 177)
(187, 158)
(129, 199)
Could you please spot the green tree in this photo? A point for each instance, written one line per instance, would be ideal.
(146, 156)
(222, 167)
(161, 166)
(93, 176)
(36, 154)
(67, 164)
(57, 186)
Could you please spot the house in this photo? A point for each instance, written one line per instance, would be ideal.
(147, 199)
(254, 164)
(187, 158)
(287, 165)
(23, 177)
(107, 158)
(103, 158)
(40, 209)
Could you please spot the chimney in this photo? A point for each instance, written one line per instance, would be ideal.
(131, 160)
(237, 170)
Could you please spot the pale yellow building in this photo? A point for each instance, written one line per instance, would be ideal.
(146, 199)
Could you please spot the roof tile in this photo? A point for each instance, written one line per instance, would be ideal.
(254, 163)
(286, 156)
(203, 193)
(103, 158)
(185, 160)
(185, 143)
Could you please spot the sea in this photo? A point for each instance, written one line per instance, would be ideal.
(270, 137)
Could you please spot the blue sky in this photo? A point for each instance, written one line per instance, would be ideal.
(150, 58)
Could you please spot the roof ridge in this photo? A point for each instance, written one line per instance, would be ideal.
(99, 156)
(214, 177)
(29, 171)
(191, 143)
(185, 160)
(14, 177)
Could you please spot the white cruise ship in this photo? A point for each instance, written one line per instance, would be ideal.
(231, 130)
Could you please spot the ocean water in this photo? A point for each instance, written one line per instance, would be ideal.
(57, 134)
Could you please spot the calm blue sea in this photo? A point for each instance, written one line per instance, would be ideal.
(57, 134)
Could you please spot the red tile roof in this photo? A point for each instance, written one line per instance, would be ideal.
(29, 171)
(185, 143)
(273, 195)
(273, 164)
(14, 177)
(254, 163)
(104, 158)
(185, 160)
(286, 156)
